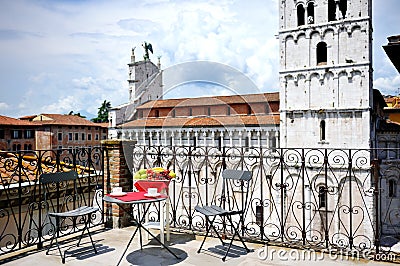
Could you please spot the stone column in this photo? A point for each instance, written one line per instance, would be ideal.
(116, 174)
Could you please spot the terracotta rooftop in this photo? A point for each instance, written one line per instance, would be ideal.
(59, 119)
(393, 102)
(29, 164)
(9, 121)
(212, 100)
(214, 121)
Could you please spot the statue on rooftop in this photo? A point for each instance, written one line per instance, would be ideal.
(147, 47)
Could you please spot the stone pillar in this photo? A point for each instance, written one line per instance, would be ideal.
(117, 174)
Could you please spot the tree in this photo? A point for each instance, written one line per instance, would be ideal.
(102, 114)
(77, 114)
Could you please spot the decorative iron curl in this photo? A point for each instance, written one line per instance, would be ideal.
(341, 240)
(293, 233)
(272, 231)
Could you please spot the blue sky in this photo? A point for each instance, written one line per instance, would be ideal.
(58, 56)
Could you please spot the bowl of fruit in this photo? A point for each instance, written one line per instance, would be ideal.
(156, 173)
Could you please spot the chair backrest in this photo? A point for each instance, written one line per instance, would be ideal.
(236, 174)
(235, 189)
(60, 191)
(58, 177)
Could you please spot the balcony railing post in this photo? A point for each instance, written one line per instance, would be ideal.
(375, 172)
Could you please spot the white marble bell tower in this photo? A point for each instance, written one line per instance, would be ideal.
(326, 73)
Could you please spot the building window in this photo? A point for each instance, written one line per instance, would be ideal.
(83, 136)
(190, 112)
(17, 134)
(69, 136)
(322, 197)
(300, 15)
(218, 141)
(89, 136)
(28, 134)
(343, 7)
(173, 113)
(331, 10)
(228, 110)
(392, 188)
(59, 136)
(248, 110)
(157, 113)
(272, 142)
(194, 142)
(209, 111)
(322, 54)
(1, 133)
(322, 129)
(310, 13)
(96, 137)
(76, 136)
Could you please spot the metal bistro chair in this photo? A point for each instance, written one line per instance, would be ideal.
(64, 185)
(233, 181)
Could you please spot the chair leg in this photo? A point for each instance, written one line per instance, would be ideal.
(231, 242)
(208, 230)
(54, 237)
(87, 222)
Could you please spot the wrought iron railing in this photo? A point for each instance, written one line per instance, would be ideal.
(23, 219)
(316, 198)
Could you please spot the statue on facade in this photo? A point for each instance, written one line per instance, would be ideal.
(147, 47)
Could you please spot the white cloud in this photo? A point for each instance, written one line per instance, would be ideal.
(4, 106)
(388, 85)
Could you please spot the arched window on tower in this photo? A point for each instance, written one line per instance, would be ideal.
(322, 54)
(331, 10)
(300, 15)
(322, 129)
(343, 7)
(310, 13)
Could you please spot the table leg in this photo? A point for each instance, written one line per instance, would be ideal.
(161, 222)
(167, 219)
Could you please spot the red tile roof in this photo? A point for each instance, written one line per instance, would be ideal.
(58, 119)
(213, 100)
(29, 164)
(214, 121)
(9, 121)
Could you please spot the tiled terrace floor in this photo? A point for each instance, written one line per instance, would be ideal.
(111, 244)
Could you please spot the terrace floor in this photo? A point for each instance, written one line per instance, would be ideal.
(111, 244)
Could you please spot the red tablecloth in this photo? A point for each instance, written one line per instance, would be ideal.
(144, 185)
(131, 196)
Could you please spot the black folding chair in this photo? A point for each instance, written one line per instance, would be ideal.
(64, 205)
(234, 182)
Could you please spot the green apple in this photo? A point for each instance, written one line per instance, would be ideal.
(142, 171)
